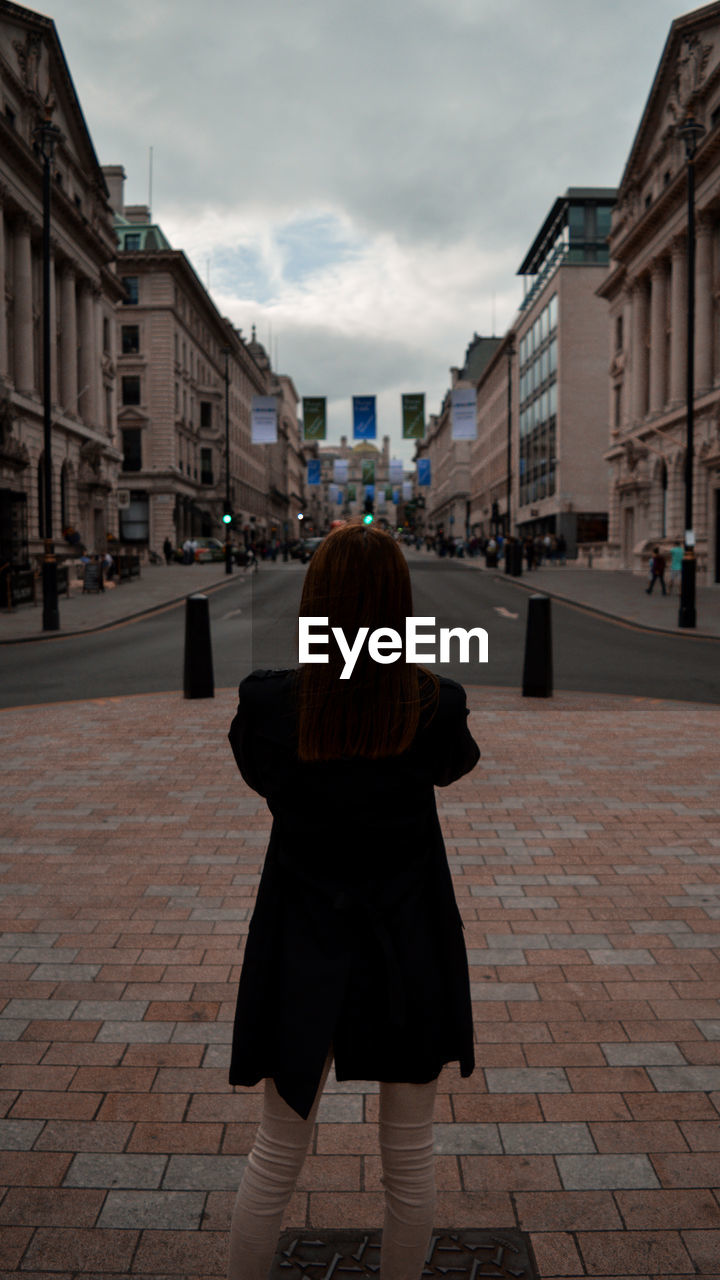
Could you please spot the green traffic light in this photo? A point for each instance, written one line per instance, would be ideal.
(367, 519)
(227, 519)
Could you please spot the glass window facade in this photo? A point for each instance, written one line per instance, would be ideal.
(538, 362)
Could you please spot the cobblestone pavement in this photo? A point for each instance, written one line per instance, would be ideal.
(584, 851)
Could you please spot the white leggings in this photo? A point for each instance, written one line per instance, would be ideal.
(408, 1164)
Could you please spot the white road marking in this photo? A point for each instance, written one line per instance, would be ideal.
(505, 613)
(232, 614)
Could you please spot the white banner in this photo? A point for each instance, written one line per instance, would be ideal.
(333, 492)
(407, 490)
(264, 420)
(464, 417)
(340, 470)
(396, 471)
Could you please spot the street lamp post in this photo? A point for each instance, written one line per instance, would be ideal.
(46, 135)
(227, 512)
(691, 131)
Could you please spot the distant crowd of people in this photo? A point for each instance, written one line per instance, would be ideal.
(542, 549)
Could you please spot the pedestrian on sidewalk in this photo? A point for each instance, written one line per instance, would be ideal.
(355, 950)
(168, 551)
(676, 558)
(657, 571)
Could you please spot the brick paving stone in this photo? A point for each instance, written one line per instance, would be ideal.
(652, 1210)
(567, 1211)
(50, 1206)
(556, 1254)
(156, 1210)
(600, 1172)
(80, 1250)
(95, 1169)
(659, 1253)
(523, 1139)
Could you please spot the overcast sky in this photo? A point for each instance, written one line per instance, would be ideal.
(362, 180)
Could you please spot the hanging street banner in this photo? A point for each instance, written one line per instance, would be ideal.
(314, 417)
(407, 490)
(340, 470)
(368, 471)
(423, 471)
(263, 428)
(464, 415)
(396, 496)
(369, 490)
(413, 417)
(364, 421)
(396, 471)
(313, 471)
(388, 492)
(351, 493)
(340, 497)
(332, 492)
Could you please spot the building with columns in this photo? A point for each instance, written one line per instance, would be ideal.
(366, 466)
(647, 292)
(35, 83)
(174, 351)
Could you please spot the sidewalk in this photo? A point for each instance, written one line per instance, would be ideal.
(584, 851)
(158, 585)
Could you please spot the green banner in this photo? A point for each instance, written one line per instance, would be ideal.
(368, 471)
(388, 493)
(413, 417)
(314, 418)
(351, 493)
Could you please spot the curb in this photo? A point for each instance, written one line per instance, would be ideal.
(128, 617)
(604, 613)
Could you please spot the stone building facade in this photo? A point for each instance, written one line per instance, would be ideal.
(448, 498)
(647, 292)
(35, 83)
(364, 460)
(489, 452)
(174, 350)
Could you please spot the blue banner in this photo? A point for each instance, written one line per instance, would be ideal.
(369, 490)
(423, 471)
(364, 422)
(313, 471)
(396, 496)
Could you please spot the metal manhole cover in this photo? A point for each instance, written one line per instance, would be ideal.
(337, 1255)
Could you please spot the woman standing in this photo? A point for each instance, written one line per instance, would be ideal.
(355, 950)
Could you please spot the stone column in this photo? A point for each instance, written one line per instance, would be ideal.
(3, 312)
(704, 305)
(658, 307)
(24, 344)
(639, 365)
(678, 321)
(86, 372)
(68, 341)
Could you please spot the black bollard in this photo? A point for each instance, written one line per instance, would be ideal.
(199, 680)
(538, 669)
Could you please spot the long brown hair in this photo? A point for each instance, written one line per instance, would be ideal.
(359, 577)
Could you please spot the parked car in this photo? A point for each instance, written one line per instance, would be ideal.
(308, 547)
(206, 549)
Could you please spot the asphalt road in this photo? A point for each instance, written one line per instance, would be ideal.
(253, 624)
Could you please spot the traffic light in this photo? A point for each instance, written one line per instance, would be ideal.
(227, 512)
(369, 508)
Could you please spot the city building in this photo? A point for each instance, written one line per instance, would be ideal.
(368, 468)
(448, 499)
(36, 86)
(559, 424)
(178, 360)
(490, 493)
(647, 292)
(285, 460)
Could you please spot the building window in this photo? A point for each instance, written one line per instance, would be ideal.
(106, 334)
(132, 291)
(132, 449)
(617, 414)
(131, 389)
(130, 339)
(132, 241)
(618, 333)
(135, 520)
(10, 115)
(206, 413)
(64, 513)
(206, 466)
(41, 497)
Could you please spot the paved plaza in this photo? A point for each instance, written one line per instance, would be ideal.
(584, 851)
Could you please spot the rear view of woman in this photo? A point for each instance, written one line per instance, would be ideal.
(355, 950)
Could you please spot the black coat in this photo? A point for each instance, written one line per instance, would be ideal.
(356, 939)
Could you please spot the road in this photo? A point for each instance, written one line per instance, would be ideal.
(253, 622)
